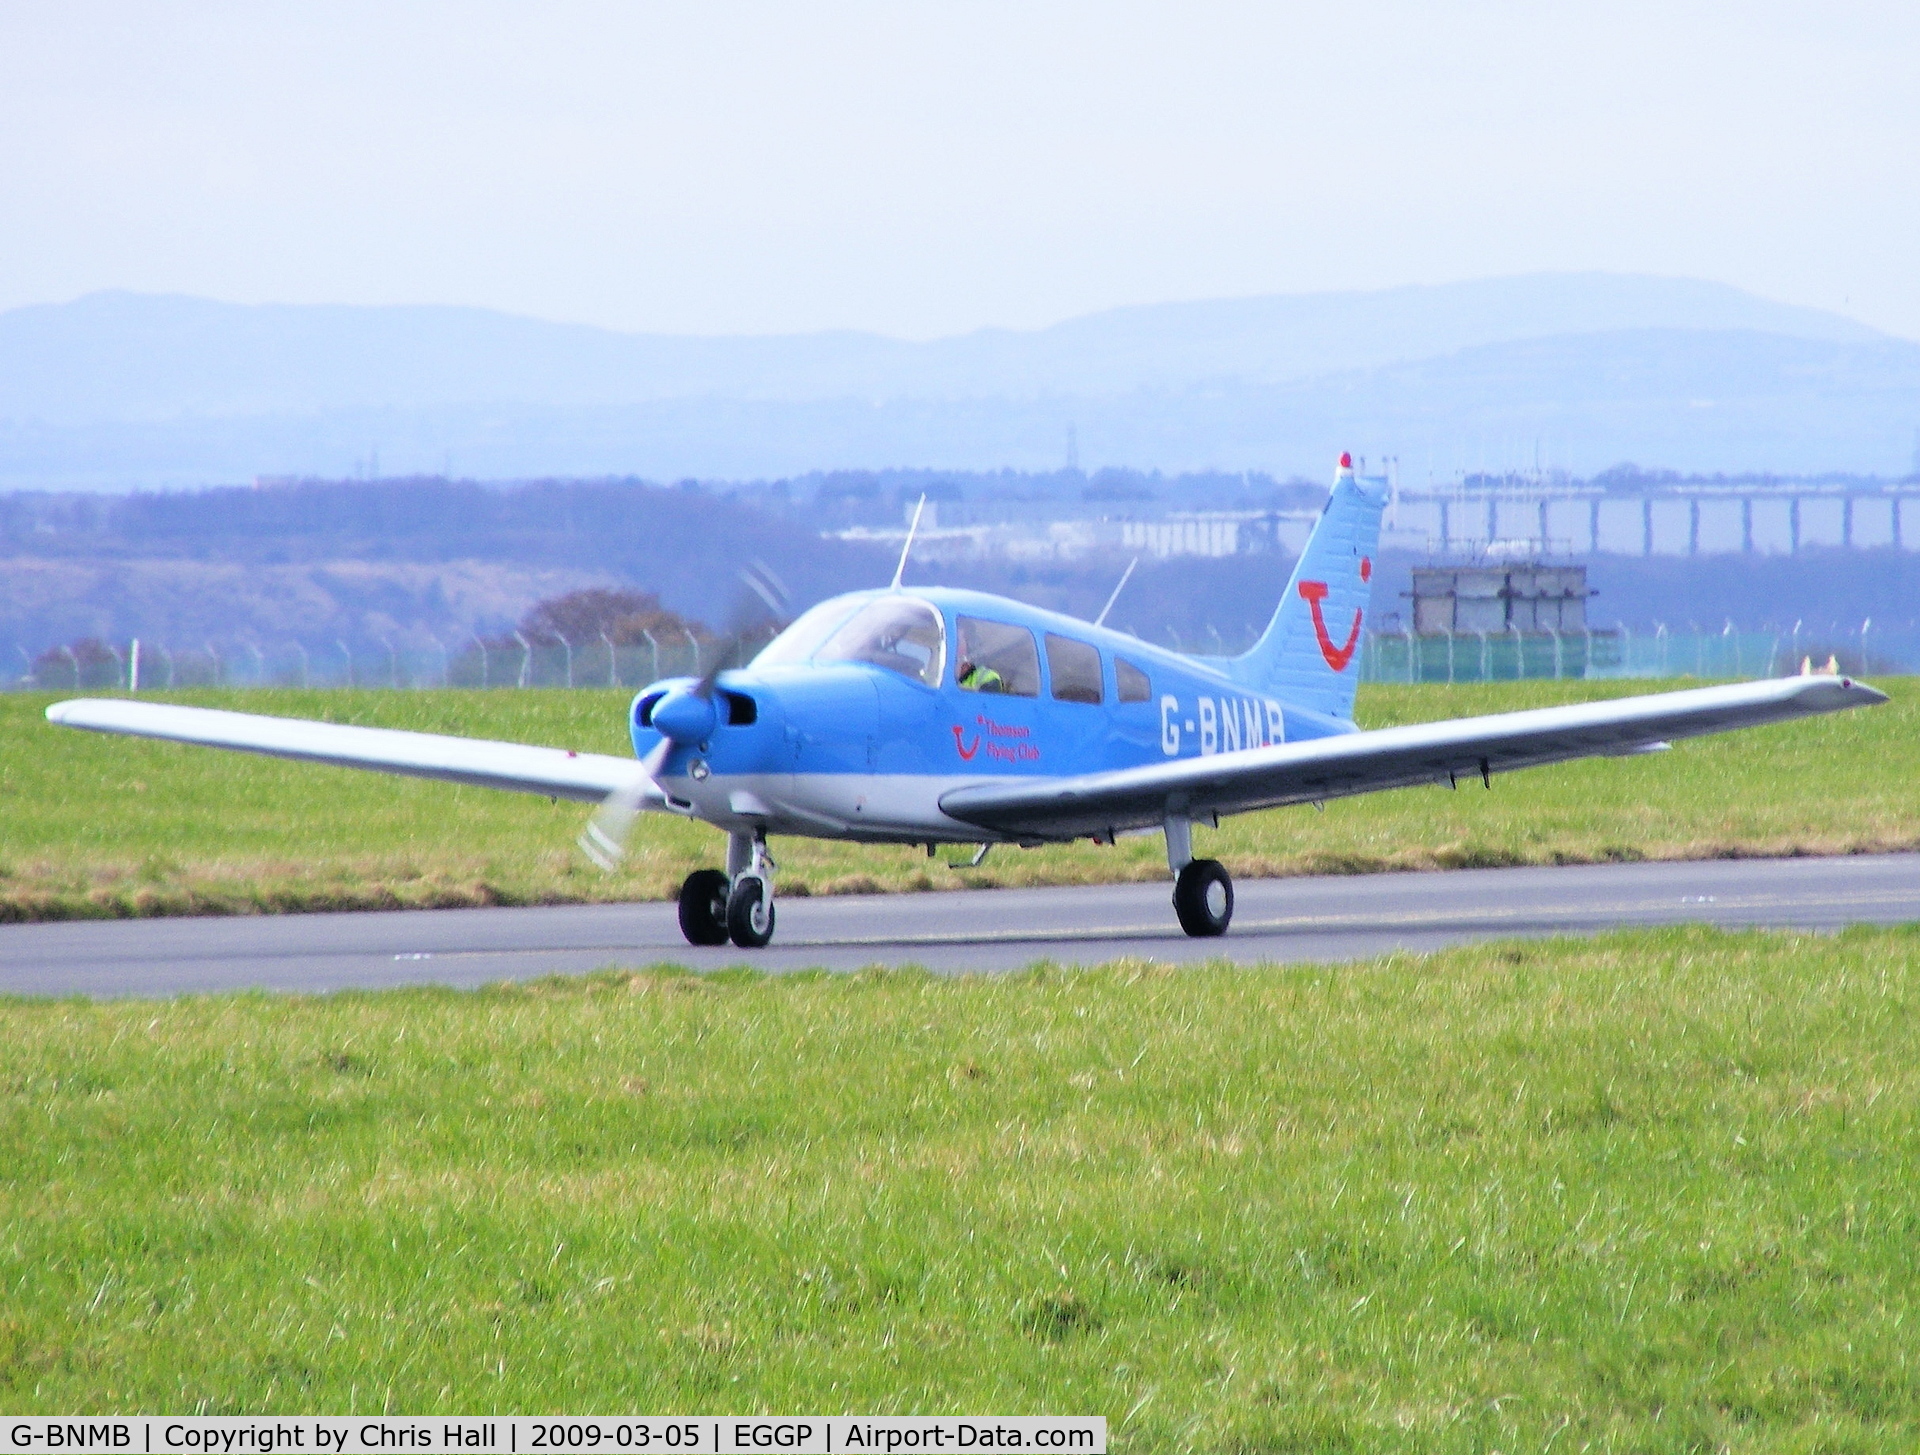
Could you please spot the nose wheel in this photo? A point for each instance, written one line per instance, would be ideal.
(1203, 898)
(736, 905)
(750, 914)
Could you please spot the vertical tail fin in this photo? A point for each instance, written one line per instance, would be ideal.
(1309, 654)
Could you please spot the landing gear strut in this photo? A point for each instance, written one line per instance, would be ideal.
(736, 905)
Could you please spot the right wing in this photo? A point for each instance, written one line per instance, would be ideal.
(1365, 762)
(588, 777)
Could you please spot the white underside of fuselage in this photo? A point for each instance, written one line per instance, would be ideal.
(868, 808)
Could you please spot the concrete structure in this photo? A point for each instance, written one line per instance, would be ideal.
(1499, 598)
(1685, 518)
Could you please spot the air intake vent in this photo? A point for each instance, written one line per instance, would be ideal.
(742, 710)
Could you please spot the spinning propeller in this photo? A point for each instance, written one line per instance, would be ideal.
(684, 717)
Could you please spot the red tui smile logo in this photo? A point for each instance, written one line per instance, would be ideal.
(965, 751)
(1337, 657)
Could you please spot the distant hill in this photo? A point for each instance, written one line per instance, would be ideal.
(119, 390)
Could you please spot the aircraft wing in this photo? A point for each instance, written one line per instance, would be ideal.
(1364, 762)
(589, 777)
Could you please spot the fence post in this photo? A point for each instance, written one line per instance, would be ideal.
(612, 680)
(656, 653)
(526, 658)
(568, 647)
(1559, 666)
(1863, 645)
(393, 665)
(1519, 652)
(67, 652)
(133, 665)
(1449, 631)
(219, 667)
(696, 649)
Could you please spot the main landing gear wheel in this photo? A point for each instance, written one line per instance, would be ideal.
(750, 914)
(703, 907)
(1203, 898)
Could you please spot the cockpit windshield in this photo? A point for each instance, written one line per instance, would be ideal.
(805, 633)
(895, 632)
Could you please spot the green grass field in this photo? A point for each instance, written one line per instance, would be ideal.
(1657, 1191)
(103, 826)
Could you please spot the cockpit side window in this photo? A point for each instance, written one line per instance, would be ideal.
(1132, 682)
(896, 632)
(995, 657)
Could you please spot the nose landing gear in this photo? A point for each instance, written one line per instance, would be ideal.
(736, 905)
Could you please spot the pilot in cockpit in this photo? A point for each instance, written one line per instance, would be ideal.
(972, 675)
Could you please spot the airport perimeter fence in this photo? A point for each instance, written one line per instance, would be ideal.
(145, 664)
(1514, 656)
(1384, 657)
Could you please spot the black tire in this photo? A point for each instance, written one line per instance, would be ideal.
(703, 907)
(1203, 898)
(750, 914)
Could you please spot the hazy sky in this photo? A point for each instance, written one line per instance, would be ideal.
(921, 169)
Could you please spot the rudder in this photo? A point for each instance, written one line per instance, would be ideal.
(1309, 655)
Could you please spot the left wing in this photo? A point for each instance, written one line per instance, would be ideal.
(1365, 762)
(588, 777)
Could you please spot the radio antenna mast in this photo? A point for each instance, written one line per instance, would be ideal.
(1124, 575)
(907, 545)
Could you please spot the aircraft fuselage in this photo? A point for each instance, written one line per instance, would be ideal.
(864, 749)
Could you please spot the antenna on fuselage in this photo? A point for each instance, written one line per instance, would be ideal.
(1124, 577)
(901, 569)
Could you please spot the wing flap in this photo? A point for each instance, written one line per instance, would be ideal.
(1402, 757)
(587, 777)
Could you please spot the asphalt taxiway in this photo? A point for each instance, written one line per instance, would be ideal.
(1326, 919)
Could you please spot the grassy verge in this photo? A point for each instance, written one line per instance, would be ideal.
(101, 826)
(1654, 1191)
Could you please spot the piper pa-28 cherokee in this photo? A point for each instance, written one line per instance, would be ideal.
(932, 717)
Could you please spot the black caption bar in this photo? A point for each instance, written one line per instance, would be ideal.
(552, 1435)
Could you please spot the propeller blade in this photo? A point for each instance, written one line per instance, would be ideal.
(758, 578)
(604, 840)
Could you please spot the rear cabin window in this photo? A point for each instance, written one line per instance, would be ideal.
(1075, 670)
(1131, 681)
(995, 657)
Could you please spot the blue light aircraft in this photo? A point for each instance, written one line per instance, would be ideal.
(929, 717)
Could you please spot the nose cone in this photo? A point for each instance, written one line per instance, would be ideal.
(685, 717)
